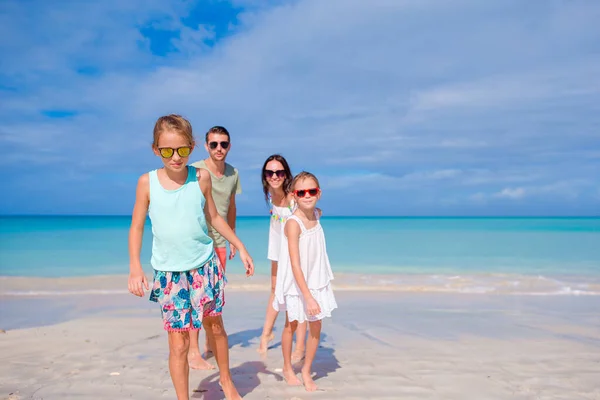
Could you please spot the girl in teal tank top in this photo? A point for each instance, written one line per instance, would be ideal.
(188, 278)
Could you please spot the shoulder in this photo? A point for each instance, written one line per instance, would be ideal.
(144, 180)
(203, 175)
(230, 170)
(292, 227)
(143, 184)
(290, 199)
(199, 164)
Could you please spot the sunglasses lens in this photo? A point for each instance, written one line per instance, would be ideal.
(184, 151)
(280, 173)
(300, 193)
(225, 145)
(313, 192)
(213, 145)
(166, 152)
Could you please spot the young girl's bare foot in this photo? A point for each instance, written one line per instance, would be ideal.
(264, 343)
(309, 384)
(291, 378)
(196, 361)
(297, 355)
(229, 390)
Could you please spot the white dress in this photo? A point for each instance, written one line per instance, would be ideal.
(278, 217)
(315, 266)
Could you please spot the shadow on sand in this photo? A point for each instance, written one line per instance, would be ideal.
(245, 376)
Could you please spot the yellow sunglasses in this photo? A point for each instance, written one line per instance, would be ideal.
(167, 152)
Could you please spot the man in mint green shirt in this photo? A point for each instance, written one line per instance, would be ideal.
(225, 186)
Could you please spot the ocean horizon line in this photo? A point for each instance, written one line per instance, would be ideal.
(334, 216)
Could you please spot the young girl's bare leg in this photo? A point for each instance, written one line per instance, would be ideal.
(298, 353)
(271, 314)
(286, 347)
(179, 344)
(195, 359)
(217, 337)
(314, 336)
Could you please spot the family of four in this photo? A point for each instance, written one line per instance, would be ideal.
(192, 211)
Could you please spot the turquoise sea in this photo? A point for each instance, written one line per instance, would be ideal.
(557, 248)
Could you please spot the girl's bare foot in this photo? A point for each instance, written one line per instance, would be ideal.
(291, 378)
(309, 384)
(297, 355)
(229, 390)
(264, 343)
(196, 361)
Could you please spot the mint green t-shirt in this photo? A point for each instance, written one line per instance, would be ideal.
(222, 190)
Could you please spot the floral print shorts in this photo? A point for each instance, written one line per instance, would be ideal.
(186, 297)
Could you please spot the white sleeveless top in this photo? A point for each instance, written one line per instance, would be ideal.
(278, 217)
(313, 261)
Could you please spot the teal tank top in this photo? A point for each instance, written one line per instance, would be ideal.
(180, 234)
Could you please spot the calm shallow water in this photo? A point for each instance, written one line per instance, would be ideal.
(79, 246)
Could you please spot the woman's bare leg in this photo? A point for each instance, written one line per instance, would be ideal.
(271, 314)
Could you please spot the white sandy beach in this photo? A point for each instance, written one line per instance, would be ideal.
(378, 345)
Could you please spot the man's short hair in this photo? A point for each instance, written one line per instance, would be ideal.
(219, 130)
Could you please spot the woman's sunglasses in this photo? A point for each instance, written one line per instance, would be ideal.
(280, 173)
(213, 145)
(302, 192)
(167, 152)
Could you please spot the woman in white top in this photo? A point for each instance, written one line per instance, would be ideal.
(276, 178)
(303, 285)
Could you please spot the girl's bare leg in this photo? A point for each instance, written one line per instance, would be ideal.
(179, 344)
(312, 344)
(217, 338)
(286, 348)
(195, 359)
(271, 315)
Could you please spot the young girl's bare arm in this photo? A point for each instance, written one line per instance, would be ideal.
(219, 223)
(292, 232)
(137, 279)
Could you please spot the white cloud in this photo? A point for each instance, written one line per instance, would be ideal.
(511, 193)
(407, 91)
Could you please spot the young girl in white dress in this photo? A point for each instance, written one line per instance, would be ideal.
(303, 285)
(276, 179)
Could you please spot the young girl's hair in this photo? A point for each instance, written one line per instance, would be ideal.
(288, 175)
(175, 123)
(301, 176)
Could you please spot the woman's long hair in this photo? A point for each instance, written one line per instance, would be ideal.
(288, 175)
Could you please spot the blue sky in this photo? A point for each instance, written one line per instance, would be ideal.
(412, 107)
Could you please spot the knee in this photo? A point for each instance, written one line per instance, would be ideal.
(180, 346)
(315, 328)
(217, 329)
